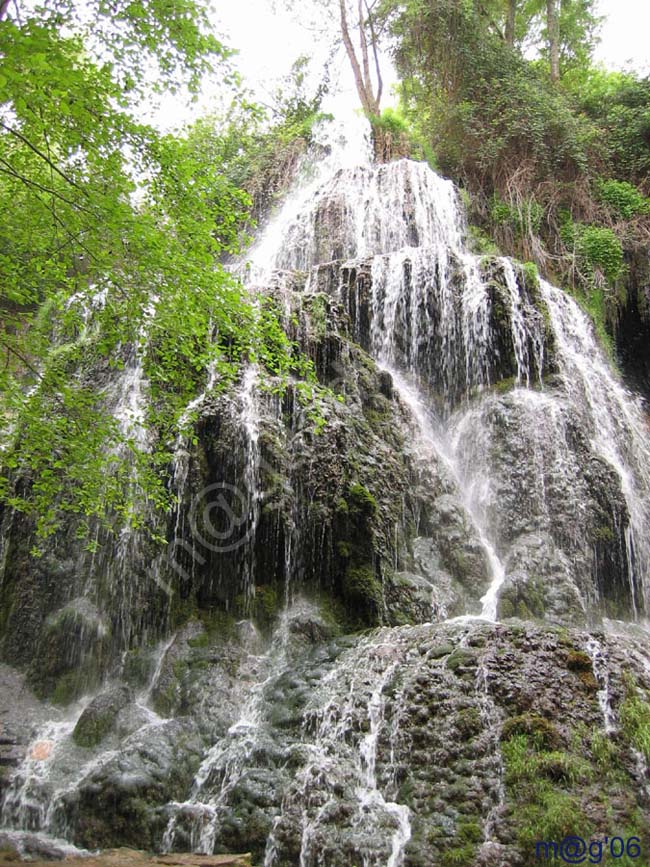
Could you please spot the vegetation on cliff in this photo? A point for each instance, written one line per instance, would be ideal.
(115, 238)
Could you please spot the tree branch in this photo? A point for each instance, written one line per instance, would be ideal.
(39, 153)
(375, 51)
(356, 69)
(364, 51)
(9, 170)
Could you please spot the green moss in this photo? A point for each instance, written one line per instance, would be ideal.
(541, 733)
(635, 719)
(92, 733)
(504, 385)
(440, 650)
(360, 584)
(603, 534)
(506, 609)
(262, 606)
(341, 506)
(318, 310)
(218, 624)
(137, 667)
(468, 722)
(578, 660)
(461, 657)
(68, 687)
(361, 501)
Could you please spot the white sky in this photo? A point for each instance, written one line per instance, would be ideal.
(625, 33)
(269, 39)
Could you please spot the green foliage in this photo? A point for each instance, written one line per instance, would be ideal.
(391, 120)
(480, 242)
(635, 719)
(602, 749)
(536, 778)
(619, 103)
(531, 275)
(528, 149)
(623, 198)
(525, 217)
(109, 231)
(485, 111)
(601, 249)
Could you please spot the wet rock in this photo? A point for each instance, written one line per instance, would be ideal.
(99, 717)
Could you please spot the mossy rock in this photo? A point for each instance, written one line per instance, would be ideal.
(362, 589)
(441, 650)
(70, 654)
(541, 731)
(468, 722)
(578, 660)
(98, 718)
(461, 658)
(361, 501)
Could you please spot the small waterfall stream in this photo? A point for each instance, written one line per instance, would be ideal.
(55, 766)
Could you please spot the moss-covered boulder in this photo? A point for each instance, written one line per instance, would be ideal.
(98, 718)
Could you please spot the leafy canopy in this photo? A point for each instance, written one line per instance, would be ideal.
(112, 247)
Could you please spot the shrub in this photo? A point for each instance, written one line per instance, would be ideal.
(623, 198)
(601, 249)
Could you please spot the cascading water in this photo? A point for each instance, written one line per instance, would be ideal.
(448, 327)
(229, 759)
(55, 766)
(523, 447)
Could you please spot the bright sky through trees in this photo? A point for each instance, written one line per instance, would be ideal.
(269, 39)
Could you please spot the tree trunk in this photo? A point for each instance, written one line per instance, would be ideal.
(553, 27)
(510, 22)
(4, 6)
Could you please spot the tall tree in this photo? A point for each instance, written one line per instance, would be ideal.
(511, 17)
(369, 92)
(553, 31)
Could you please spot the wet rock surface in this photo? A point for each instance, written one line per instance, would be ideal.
(447, 743)
(473, 455)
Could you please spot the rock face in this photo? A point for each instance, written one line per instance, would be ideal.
(310, 670)
(436, 744)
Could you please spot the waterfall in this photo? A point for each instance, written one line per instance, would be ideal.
(229, 758)
(613, 420)
(449, 326)
(511, 420)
